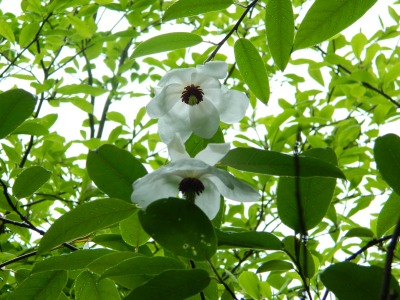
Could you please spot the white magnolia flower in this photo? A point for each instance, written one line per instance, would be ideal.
(196, 179)
(193, 100)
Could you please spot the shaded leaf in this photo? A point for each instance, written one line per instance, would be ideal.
(278, 164)
(16, 106)
(252, 68)
(166, 42)
(248, 239)
(87, 287)
(187, 8)
(359, 232)
(279, 22)
(114, 170)
(275, 265)
(44, 286)
(172, 285)
(85, 219)
(132, 231)
(389, 214)
(326, 18)
(349, 281)
(110, 260)
(195, 143)
(29, 181)
(387, 157)
(181, 227)
(300, 255)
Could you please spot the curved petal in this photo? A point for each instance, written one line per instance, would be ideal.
(164, 101)
(204, 119)
(205, 81)
(213, 153)
(208, 200)
(189, 167)
(176, 148)
(179, 76)
(234, 105)
(233, 188)
(156, 185)
(217, 69)
(176, 121)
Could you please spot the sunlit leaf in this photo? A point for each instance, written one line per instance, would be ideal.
(73, 89)
(366, 281)
(16, 106)
(166, 42)
(279, 23)
(132, 231)
(114, 170)
(87, 287)
(6, 31)
(181, 227)
(171, 285)
(195, 143)
(275, 265)
(326, 18)
(387, 157)
(252, 68)
(389, 214)
(107, 261)
(85, 219)
(187, 8)
(30, 180)
(278, 164)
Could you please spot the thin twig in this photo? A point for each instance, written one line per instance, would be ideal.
(221, 280)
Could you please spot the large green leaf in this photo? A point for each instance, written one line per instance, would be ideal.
(114, 170)
(389, 214)
(181, 227)
(279, 23)
(88, 287)
(135, 271)
(44, 286)
(166, 42)
(252, 68)
(132, 231)
(349, 281)
(101, 264)
(187, 8)
(16, 106)
(327, 18)
(387, 158)
(85, 219)
(76, 260)
(278, 164)
(172, 285)
(29, 181)
(248, 239)
(300, 255)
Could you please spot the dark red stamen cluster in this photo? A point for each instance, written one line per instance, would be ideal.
(191, 186)
(189, 92)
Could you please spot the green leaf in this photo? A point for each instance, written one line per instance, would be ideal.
(181, 227)
(6, 31)
(166, 42)
(252, 68)
(16, 106)
(107, 261)
(279, 22)
(172, 285)
(359, 232)
(73, 89)
(250, 284)
(195, 143)
(187, 8)
(389, 215)
(43, 286)
(135, 271)
(275, 265)
(300, 255)
(114, 170)
(349, 281)
(248, 239)
(132, 231)
(387, 158)
(113, 241)
(28, 33)
(278, 164)
(85, 219)
(327, 18)
(76, 260)
(87, 287)
(29, 181)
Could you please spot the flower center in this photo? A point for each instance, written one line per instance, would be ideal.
(190, 188)
(192, 95)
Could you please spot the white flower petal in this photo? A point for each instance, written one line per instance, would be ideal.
(234, 105)
(179, 76)
(156, 185)
(205, 81)
(213, 153)
(176, 149)
(204, 119)
(208, 200)
(176, 121)
(164, 101)
(233, 188)
(217, 69)
(190, 167)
